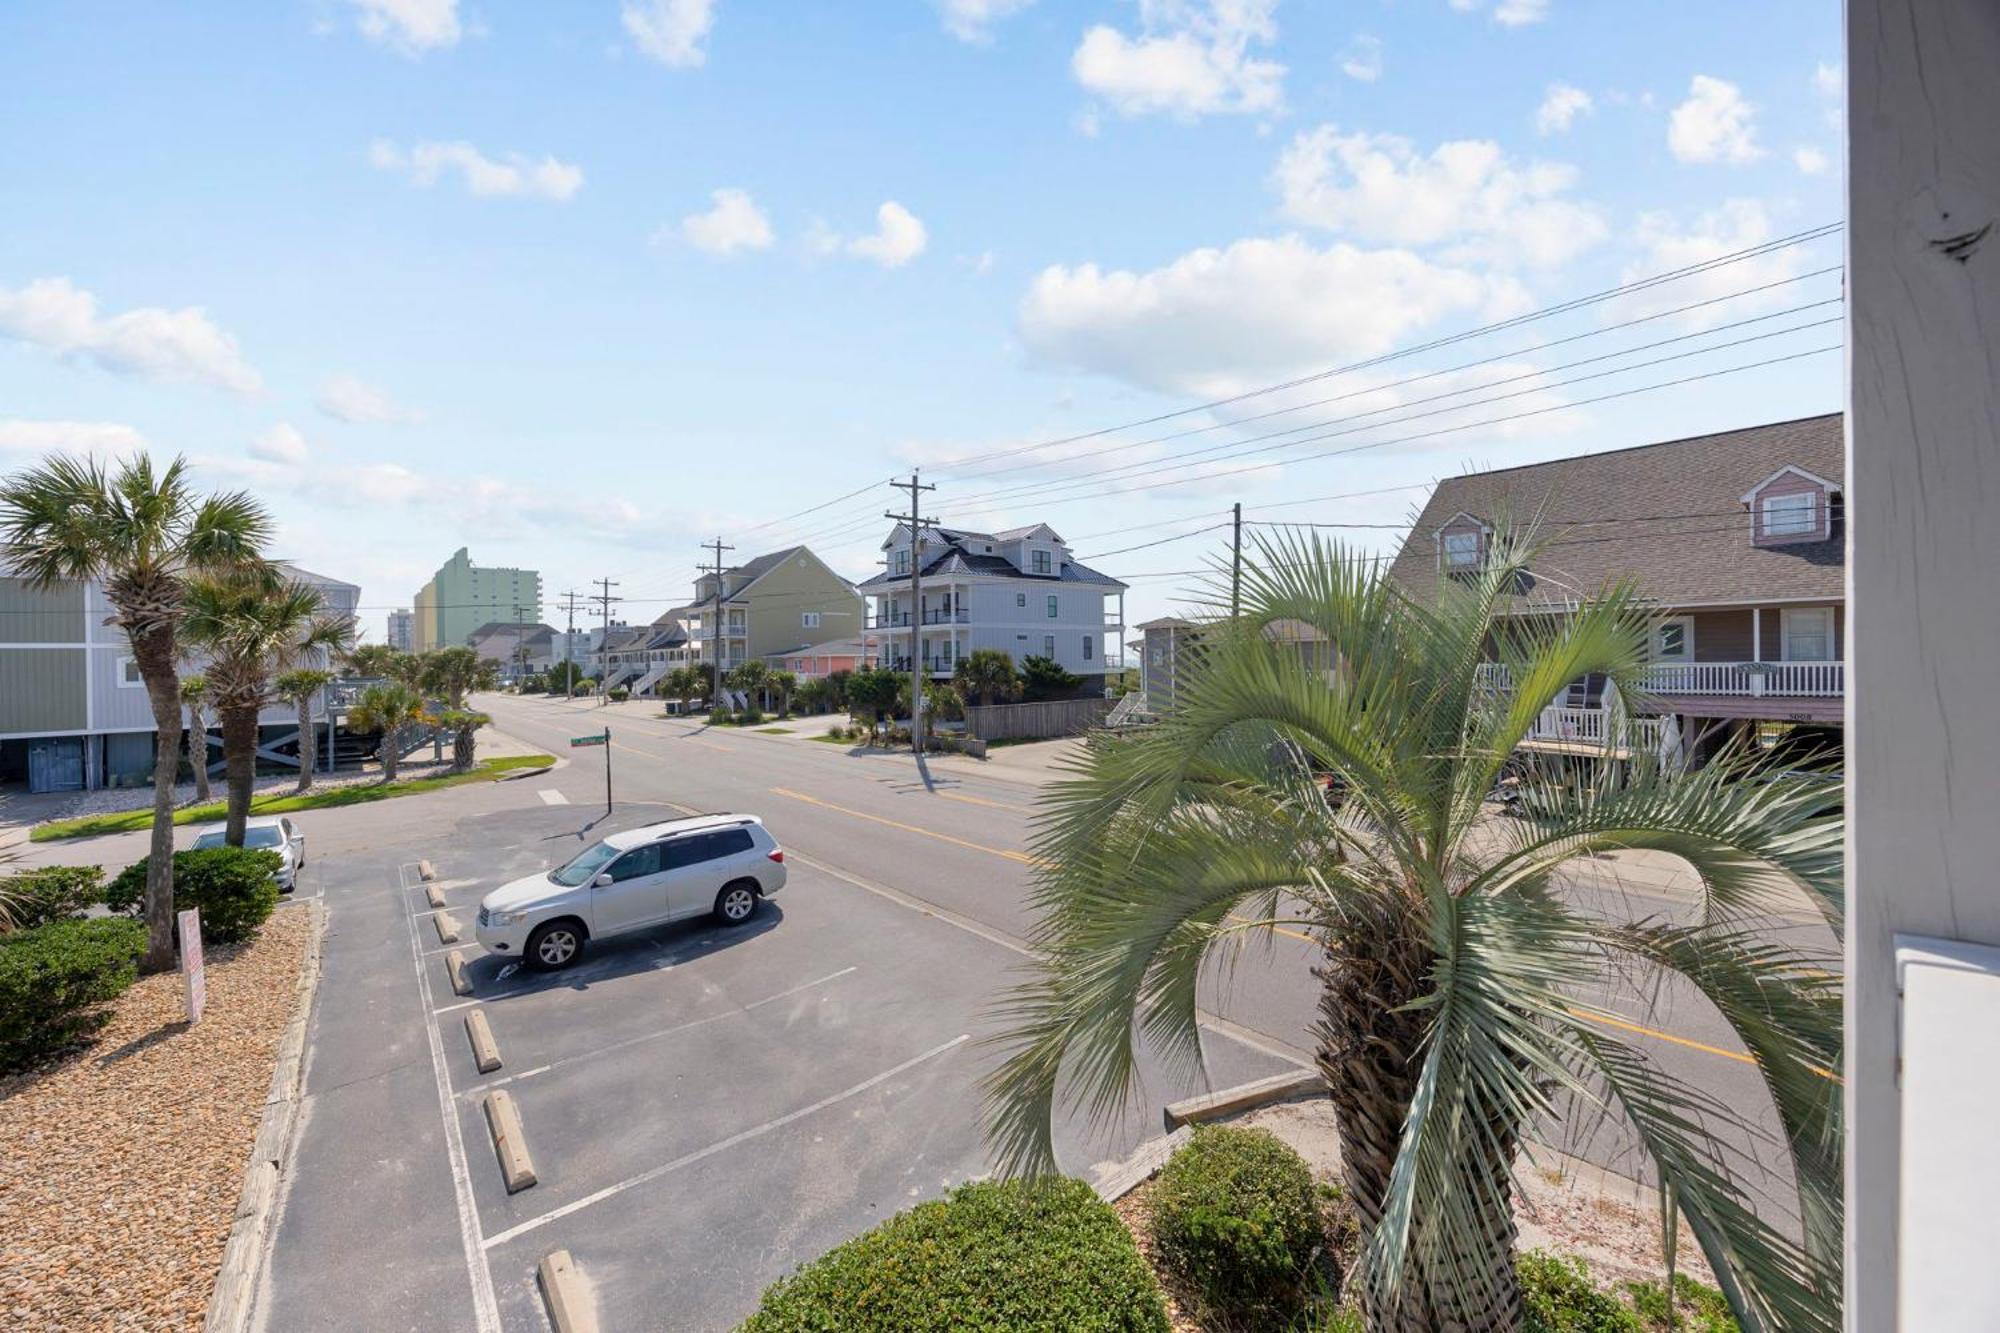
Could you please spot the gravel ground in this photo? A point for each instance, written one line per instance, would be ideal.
(120, 1168)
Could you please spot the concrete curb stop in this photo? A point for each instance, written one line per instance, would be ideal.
(503, 1118)
(454, 966)
(235, 1283)
(1242, 1097)
(485, 1051)
(425, 870)
(434, 895)
(563, 1290)
(447, 927)
(1115, 1181)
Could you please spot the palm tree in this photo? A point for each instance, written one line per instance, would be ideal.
(391, 708)
(751, 676)
(1455, 980)
(252, 623)
(194, 693)
(987, 674)
(372, 659)
(298, 688)
(783, 683)
(451, 674)
(142, 532)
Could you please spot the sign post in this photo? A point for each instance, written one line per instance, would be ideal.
(578, 742)
(194, 977)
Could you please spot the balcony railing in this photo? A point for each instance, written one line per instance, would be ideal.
(1819, 680)
(932, 616)
(1596, 726)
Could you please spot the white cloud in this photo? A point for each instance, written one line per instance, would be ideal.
(384, 484)
(973, 20)
(97, 439)
(281, 444)
(517, 176)
(1715, 124)
(898, 238)
(1667, 244)
(1508, 13)
(1363, 58)
(1560, 107)
(735, 223)
(1468, 194)
(1830, 80)
(348, 398)
(670, 31)
(409, 27)
(151, 341)
(1191, 59)
(1811, 161)
(1216, 321)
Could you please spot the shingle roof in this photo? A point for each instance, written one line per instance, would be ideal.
(508, 629)
(955, 561)
(1670, 516)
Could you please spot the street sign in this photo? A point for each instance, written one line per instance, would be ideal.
(576, 741)
(194, 976)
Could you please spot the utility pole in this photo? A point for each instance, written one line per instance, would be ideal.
(570, 600)
(520, 657)
(715, 547)
(1236, 564)
(604, 600)
(917, 526)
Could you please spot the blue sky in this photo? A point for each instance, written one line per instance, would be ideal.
(428, 274)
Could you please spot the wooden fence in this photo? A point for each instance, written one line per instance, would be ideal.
(1036, 721)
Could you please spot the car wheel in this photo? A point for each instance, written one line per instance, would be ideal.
(553, 945)
(737, 902)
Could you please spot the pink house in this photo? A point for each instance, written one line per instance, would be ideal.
(823, 659)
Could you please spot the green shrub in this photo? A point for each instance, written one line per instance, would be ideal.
(619, 694)
(56, 980)
(720, 716)
(52, 893)
(1561, 1298)
(997, 1255)
(235, 888)
(750, 716)
(1703, 1309)
(1235, 1213)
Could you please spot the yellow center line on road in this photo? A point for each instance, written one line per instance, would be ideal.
(981, 800)
(1021, 857)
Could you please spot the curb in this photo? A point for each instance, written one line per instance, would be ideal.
(1242, 1097)
(510, 1144)
(563, 1290)
(1119, 1179)
(235, 1283)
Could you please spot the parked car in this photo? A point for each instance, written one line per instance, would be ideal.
(268, 833)
(714, 865)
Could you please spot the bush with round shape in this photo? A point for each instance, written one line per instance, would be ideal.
(56, 981)
(1235, 1214)
(1561, 1298)
(51, 893)
(235, 888)
(750, 716)
(1045, 1254)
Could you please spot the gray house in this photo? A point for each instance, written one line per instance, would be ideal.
(73, 710)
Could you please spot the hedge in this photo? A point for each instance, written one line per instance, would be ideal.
(234, 887)
(1561, 1298)
(52, 893)
(1236, 1214)
(996, 1255)
(56, 980)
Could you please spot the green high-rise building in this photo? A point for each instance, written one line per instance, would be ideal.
(462, 596)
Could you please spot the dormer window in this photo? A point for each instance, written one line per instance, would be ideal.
(1790, 515)
(900, 561)
(1041, 562)
(1461, 550)
(1791, 505)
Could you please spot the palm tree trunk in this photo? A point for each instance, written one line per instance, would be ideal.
(1370, 1053)
(154, 655)
(308, 743)
(239, 766)
(391, 752)
(462, 743)
(198, 751)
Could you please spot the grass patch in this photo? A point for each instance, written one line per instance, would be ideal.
(130, 821)
(774, 731)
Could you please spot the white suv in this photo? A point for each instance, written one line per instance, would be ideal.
(715, 864)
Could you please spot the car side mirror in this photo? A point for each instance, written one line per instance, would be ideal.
(603, 881)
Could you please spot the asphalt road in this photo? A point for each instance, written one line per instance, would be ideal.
(707, 1108)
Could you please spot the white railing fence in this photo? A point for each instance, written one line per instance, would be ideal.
(1827, 680)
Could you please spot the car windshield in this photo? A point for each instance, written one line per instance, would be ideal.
(267, 836)
(585, 867)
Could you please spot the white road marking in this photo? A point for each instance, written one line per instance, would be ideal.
(701, 1154)
(550, 796)
(656, 1035)
(485, 1308)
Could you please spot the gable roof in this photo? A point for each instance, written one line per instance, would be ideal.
(954, 561)
(1670, 516)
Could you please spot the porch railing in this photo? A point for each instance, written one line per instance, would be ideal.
(1595, 726)
(1822, 680)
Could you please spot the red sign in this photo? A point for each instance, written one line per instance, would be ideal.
(193, 975)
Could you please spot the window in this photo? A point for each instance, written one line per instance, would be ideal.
(1052, 607)
(1791, 515)
(638, 862)
(1807, 633)
(1461, 550)
(1020, 599)
(902, 562)
(809, 620)
(1049, 646)
(1086, 647)
(1041, 562)
(128, 674)
(1673, 640)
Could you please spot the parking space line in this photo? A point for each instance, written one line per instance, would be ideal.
(485, 1307)
(550, 796)
(1022, 857)
(661, 1032)
(742, 1136)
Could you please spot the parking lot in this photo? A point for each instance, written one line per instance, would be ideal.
(704, 1107)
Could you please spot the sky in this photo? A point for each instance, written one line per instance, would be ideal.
(583, 286)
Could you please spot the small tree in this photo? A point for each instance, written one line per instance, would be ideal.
(450, 674)
(836, 689)
(751, 677)
(562, 678)
(784, 684)
(194, 693)
(391, 708)
(1043, 678)
(872, 692)
(988, 676)
(461, 723)
(298, 688)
